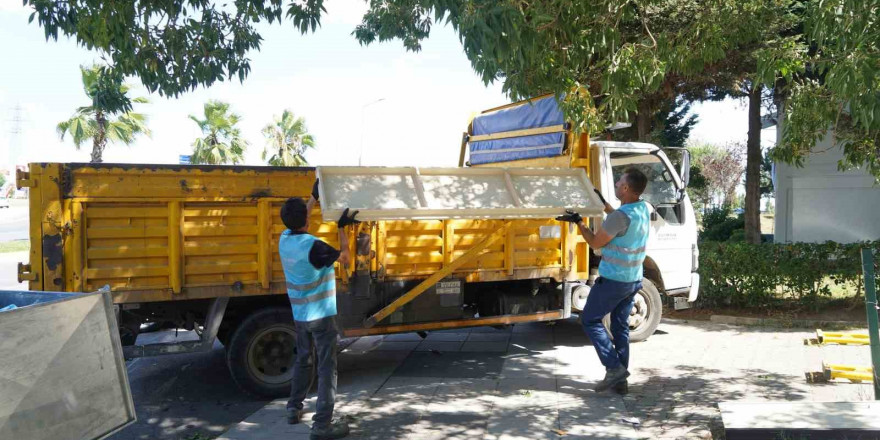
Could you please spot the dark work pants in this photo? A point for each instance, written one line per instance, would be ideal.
(323, 331)
(614, 297)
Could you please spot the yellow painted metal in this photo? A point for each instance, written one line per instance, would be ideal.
(75, 246)
(471, 254)
(843, 338)
(149, 231)
(852, 373)
(175, 277)
(264, 258)
(53, 228)
(440, 325)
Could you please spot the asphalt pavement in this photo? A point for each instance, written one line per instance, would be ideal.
(184, 396)
(14, 221)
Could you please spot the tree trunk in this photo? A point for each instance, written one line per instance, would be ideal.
(753, 168)
(100, 140)
(643, 120)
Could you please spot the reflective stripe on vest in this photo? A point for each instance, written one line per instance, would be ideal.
(311, 291)
(622, 257)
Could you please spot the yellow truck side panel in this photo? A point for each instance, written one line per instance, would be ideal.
(167, 232)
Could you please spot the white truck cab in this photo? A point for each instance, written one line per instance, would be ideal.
(536, 133)
(672, 253)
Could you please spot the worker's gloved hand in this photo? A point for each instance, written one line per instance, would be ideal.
(602, 199)
(315, 190)
(347, 219)
(570, 216)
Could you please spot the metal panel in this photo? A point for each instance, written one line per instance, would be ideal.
(408, 193)
(62, 376)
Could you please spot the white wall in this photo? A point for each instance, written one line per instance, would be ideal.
(818, 203)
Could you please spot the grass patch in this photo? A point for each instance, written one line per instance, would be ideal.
(15, 246)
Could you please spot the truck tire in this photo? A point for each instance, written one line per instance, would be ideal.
(646, 313)
(262, 351)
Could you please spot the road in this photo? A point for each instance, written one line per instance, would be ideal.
(9, 270)
(14, 221)
(184, 397)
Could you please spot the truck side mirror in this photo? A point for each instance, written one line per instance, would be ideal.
(685, 172)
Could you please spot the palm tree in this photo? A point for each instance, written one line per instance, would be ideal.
(287, 139)
(98, 121)
(222, 142)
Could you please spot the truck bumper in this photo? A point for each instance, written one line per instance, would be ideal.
(695, 287)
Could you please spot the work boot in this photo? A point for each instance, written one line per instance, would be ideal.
(612, 377)
(294, 415)
(621, 388)
(336, 429)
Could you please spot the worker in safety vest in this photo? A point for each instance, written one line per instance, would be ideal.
(311, 288)
(622, 238)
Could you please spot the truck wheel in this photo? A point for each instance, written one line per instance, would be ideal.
(262, 351)
(645, 315)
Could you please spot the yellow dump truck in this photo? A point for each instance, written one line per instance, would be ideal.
(196, 247)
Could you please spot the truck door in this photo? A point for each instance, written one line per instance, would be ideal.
(669, 244)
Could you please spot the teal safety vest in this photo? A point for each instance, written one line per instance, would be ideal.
(622, 257)
(312, 292)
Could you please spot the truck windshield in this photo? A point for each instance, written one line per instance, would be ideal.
(661, 188)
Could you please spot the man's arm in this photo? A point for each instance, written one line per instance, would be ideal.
(606, 207)
(596, 240)
(344, 251)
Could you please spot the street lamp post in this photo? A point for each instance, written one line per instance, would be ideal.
(363, 127)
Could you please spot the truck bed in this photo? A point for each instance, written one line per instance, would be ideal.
(168, 232)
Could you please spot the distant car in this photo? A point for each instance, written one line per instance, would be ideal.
(4, 202)
(739, 211)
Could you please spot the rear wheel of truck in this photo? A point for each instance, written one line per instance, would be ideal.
(262, 351)
(645, 315)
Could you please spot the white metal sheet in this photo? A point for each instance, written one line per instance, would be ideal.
(409, 193)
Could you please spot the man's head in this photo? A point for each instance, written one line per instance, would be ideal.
(631, 185)
(295, 215)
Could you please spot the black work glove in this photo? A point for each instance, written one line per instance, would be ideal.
(347, 220)
(315, 190)
(602, 199)
(570, 216)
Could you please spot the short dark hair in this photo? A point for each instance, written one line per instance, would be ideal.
(636, 180)
(293, 213)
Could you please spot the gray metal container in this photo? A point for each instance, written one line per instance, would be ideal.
(62, 375)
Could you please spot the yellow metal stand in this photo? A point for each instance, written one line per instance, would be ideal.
(841, 338)
(852, 373)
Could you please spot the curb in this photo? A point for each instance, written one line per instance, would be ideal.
(793, 323)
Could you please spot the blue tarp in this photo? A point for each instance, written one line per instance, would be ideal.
(542, 112)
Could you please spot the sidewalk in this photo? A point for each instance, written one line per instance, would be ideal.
(526, 382)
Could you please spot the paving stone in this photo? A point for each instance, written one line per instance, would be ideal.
(397, 345)
(398, 337)
(543, 380)
(488, 337)
(440, 346)
(444, 336)
(452, 365)
(485, 346)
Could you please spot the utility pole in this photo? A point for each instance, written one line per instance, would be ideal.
(15, 130)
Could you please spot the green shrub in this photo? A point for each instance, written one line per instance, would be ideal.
(718, 225)
(742, 274)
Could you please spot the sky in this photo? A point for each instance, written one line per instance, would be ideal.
(375, 105)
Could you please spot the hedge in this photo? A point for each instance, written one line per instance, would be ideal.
(742, 274)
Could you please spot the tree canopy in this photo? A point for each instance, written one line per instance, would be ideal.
(106, 118)
(606, 60)
(222, 142)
